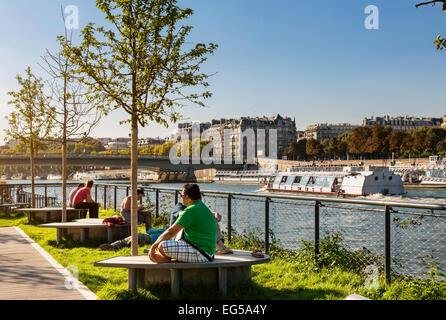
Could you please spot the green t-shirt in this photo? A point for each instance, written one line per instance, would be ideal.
(200, 227)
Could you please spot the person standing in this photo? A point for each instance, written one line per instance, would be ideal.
(82, 200)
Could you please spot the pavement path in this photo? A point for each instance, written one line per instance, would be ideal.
(27, 272)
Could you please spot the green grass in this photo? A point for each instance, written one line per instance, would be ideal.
(287, 276)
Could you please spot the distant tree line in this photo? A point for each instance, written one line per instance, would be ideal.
(377, 142)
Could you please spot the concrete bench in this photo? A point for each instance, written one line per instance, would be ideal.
(142, 272)
(84, 229)
(7, 207)
(50, 214)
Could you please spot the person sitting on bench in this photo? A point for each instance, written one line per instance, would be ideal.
(143, 216)
(82, 200)
(199, 233)
(73, 193)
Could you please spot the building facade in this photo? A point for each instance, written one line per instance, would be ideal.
(322, 131)
(403, 123)
(251, 134)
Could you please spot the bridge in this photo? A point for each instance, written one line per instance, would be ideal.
(116, 161)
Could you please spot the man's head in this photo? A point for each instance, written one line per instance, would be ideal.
(140, 193)
(190, 194)
(81, 185)
(89, 184)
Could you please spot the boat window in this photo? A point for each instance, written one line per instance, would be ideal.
(319, 181)
(329, 182)
(376, 178)
(277, 180)
(390, 178)
(297, 179)
(311, 180)
(284, 179)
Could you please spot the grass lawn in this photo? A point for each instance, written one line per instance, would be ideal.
(283, 278)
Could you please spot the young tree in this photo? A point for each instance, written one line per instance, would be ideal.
(29, 122)
(140, 65)
(70, 109)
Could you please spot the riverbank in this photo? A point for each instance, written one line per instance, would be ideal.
(289, 276)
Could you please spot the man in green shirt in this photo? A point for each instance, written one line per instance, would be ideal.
(199, 232)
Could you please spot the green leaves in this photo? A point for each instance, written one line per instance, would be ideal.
(141, 64)
(28, 122)
(440, 43)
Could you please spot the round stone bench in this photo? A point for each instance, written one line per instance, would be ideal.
(224, 269)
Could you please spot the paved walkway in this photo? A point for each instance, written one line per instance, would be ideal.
(27, 272)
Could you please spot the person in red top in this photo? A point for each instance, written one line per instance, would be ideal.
(82, 200)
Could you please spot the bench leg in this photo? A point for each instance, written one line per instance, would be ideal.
(132, 280)
(223, 281)
(59, 235)
(110, 235)
(175, 279)
(84, 234)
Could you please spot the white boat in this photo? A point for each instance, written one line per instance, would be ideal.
(145, 176)
(54, 176)
(245, 176)
(433, 178)
(346, 181)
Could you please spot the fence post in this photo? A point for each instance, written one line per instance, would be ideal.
(140, 202)
(316, 231)
(157, 202)
(176, 197)
(127, 192)
(96, 193)
(229, 217)
(267, 201)
(115, 196)
(387, 244)
(105, 197)
(46, 195)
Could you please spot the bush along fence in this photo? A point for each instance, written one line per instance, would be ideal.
(389, 238)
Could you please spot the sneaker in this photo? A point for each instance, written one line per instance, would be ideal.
(106, 247)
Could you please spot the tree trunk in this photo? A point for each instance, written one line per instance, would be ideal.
(33, 200)
(64, 177)
(134, 183)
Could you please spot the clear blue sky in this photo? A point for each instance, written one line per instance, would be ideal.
(312, 60)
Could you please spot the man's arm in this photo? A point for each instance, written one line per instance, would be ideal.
(88, 198)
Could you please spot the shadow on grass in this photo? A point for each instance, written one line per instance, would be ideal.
(247, 290)
(71, 244)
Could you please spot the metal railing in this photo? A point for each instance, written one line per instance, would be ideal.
(398, 237)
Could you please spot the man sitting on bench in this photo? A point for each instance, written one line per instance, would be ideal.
(82, 200)
(199, 233)
(143, 216)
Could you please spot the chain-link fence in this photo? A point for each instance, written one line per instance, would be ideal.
(396, 238)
